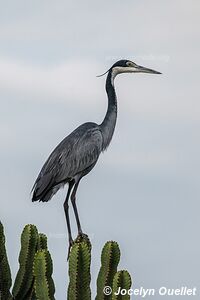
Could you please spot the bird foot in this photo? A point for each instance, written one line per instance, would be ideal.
(82, 235)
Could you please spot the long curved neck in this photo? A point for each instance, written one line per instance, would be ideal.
(109, 122)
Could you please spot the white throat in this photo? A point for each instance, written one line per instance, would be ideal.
(115, 72)
(119, 70)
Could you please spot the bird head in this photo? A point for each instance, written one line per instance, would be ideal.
(127, 66)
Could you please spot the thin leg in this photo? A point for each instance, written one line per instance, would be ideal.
(73, 199)
(66, 208)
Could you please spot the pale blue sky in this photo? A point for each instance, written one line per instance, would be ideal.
(144, 192)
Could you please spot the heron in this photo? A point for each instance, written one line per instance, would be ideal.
(77, 154)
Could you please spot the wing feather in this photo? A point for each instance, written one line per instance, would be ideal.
(75, 154)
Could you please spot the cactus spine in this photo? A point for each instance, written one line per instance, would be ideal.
(42, 269)
(122, 280)
(109, 261)
(24, 278)
(5, 275)
(79, 270)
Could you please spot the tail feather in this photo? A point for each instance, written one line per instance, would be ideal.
(41, 187)
(46, 195)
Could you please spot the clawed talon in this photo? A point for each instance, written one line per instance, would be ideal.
(82, 235)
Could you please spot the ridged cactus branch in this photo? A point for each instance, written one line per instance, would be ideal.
(79, 270)
(24, 279)
(42, 242)
(34, 278)
(42, 269)
(122, 281)
(83, 238)
(109, 261)
(41, 245)
(5, 274)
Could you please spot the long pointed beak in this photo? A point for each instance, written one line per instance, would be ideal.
(146, 70)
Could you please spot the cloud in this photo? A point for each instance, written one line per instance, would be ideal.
(75, 80)
(67, 80)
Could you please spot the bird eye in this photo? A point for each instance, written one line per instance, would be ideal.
(129, 64)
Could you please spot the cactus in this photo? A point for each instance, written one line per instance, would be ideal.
(79, 270)
(109, 261)
(122, 279)
(34, 278)
(41, 245)
(24, 279)
(30, 283)
(5, 274)
(42, 242)
(42, 270)
(83, 238)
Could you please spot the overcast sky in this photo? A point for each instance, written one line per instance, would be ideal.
(144, 192)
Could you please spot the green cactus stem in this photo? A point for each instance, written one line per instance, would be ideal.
(109, 261)
(34, 278)
(42, 242)
(83, 238)
(24, 278)
(5, 274)
(122, 281)
(79, 270)
(42, 270)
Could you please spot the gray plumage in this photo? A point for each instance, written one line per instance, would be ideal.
(72, 159)
(78, 153)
